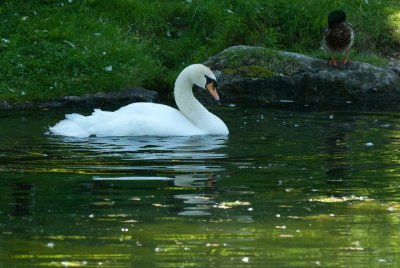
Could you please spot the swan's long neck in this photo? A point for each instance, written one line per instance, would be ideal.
(192, 108)
(186, 101)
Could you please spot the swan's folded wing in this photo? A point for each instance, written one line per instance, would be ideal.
(137, 119)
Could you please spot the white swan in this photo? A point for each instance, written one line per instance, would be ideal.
(151, 119)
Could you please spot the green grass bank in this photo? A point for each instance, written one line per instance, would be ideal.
(70, 47)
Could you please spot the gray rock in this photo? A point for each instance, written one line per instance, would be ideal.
(293, 77)
(97, 100)
(396, 69)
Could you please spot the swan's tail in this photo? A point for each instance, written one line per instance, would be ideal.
(76, 125)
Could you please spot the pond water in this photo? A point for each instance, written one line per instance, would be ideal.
(292, 187)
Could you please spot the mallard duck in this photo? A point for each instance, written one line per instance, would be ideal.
(338, 36)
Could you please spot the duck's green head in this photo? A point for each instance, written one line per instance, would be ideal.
(337, 16)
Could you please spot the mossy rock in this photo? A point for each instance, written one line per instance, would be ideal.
(257, 63)
(250, 71)
(269, 76)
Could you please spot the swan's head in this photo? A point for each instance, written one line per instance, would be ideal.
(203, 77)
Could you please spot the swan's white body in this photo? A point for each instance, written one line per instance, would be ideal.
(151, 119)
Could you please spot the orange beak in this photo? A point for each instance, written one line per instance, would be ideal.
(213, 91)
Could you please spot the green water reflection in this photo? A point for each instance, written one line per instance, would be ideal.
(287, 188)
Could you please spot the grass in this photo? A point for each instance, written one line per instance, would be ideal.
(71, 47)
(368, 57)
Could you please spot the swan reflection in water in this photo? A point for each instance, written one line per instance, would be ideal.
(188, 158)
(187, 180)
(149, 147)
(189, 162)
(196, 204)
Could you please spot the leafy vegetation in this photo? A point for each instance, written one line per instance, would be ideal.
(69, 47)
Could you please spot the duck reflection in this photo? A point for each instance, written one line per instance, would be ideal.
(337, 164)
(22, 204)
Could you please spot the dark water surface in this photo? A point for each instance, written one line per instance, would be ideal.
(287, 188)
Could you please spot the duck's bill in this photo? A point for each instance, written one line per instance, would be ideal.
(213, 91)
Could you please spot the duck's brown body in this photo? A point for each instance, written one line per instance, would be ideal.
(338, 39)
(338, 36)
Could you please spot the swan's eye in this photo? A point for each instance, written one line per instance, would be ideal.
(211, 86)
(211, 83)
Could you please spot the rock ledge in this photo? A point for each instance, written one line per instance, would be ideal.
(97, 100)
(249, 73)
